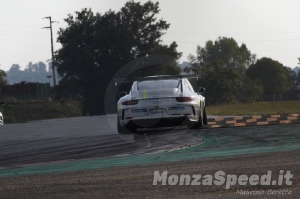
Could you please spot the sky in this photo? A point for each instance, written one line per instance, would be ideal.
(269, 28)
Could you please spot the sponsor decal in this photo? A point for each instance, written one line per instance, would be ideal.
(139, 110)
(176, 108)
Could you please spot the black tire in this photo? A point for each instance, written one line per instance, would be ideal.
(204, 117)
(125, 130)
(196, 125)
(131, 128)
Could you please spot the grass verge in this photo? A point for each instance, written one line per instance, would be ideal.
(16, 112)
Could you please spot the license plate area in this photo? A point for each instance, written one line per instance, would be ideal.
(157, 112)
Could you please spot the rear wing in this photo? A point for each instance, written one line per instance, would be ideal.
(160, 77)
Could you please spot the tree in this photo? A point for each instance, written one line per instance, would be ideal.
(251, 90)
(221, 83)
(14, 74)
(225, 49)
(29, 68)
(15, 68)
(271, 74)
(187, 69)
(32, 73)
(291, 77)
(95, 46)
(39, 67)
(231, 60)
(172, 69)
(2, 78)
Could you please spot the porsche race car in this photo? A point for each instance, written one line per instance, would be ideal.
(160, 101)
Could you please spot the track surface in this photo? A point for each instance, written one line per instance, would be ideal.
(245, 150)
(137, 181)
(81, 138)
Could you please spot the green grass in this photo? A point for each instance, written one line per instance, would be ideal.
(257, 108)
(23, 111)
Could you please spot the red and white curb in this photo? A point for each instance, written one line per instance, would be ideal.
(252, 120)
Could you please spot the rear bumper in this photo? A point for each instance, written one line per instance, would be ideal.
(149, 122)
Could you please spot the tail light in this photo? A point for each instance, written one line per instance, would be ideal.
(132, 102)
(184, 99)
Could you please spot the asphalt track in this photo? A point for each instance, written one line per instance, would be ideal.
(82, 138)
(92, 142)
(78, 144)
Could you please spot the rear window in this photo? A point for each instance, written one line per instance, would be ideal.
(152, 85)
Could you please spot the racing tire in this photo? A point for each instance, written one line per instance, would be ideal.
(125, 130)
(204, 117)
(196, 125)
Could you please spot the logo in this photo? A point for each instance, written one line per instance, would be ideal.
(221, 178)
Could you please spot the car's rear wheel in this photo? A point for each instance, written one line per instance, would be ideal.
(196, 125)
(125, 130)
(204, 117)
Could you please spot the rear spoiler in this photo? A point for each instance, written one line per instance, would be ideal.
(160, 77)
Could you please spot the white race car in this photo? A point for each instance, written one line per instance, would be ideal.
(160, 101)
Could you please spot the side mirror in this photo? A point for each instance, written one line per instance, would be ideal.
(122, 94)
(1, 103)
(201, 90)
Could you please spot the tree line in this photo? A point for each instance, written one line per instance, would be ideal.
(33, 72)
(231, 73)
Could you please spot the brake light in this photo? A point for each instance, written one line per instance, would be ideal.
(184, 99)
(132, 102)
